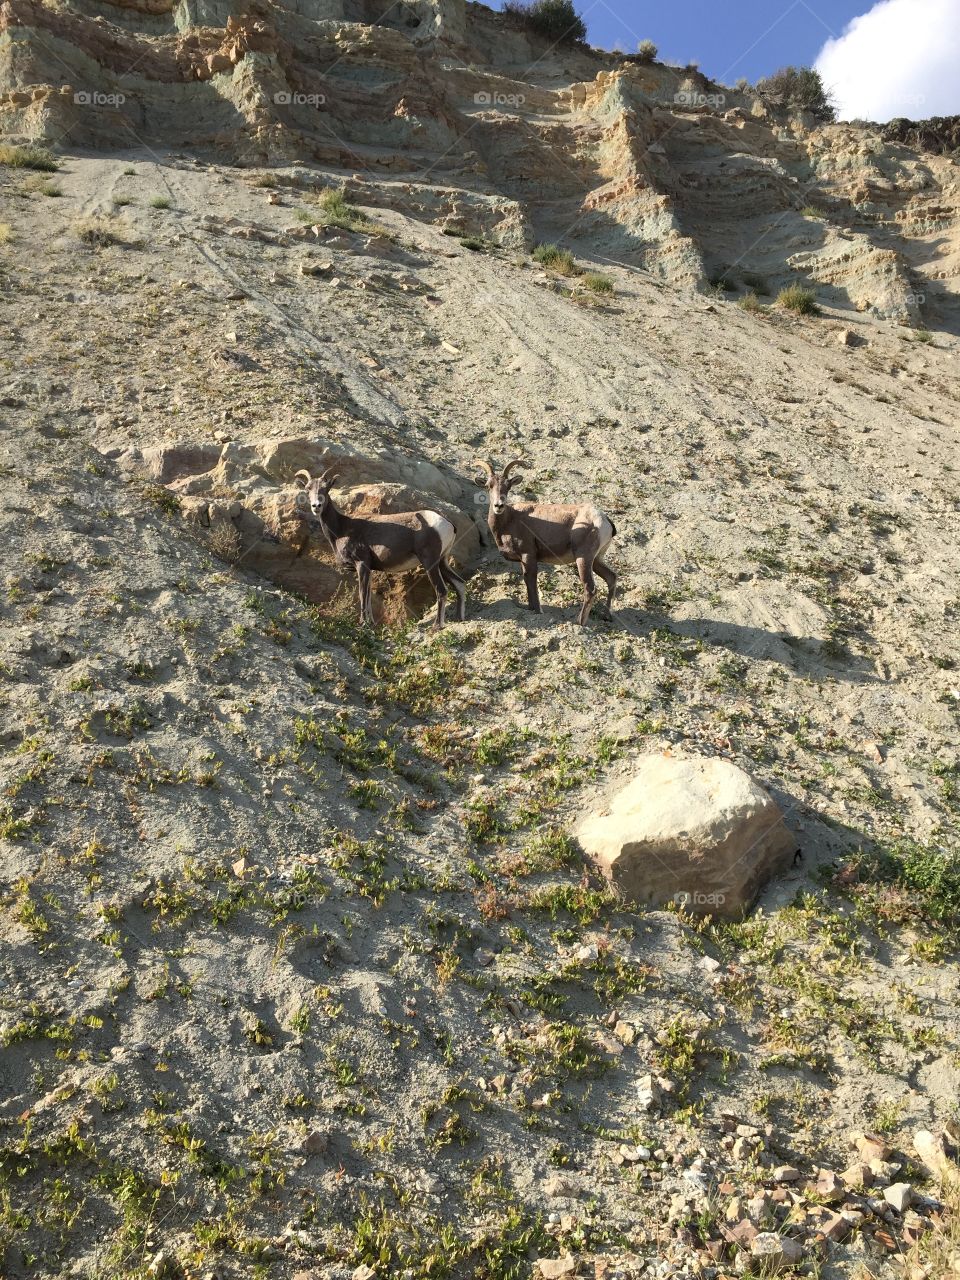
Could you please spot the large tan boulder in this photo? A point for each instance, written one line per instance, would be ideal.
(699, 832)
(251, 515)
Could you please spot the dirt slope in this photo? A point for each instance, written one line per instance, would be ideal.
(300, 969)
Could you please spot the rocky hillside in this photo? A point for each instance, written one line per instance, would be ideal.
(477, 120)
(302, 972)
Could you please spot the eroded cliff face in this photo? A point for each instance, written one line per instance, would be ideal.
(302, 969)
(650, 165)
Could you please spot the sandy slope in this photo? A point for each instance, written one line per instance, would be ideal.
(396, 966)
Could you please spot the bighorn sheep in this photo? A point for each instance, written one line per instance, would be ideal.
(386, 544)
(549, 533)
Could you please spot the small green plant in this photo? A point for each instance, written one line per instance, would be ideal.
(922, 335)
(159, 202)
(597, 283)
(473, 243)
(162, 498)
(265, 180)
(51, 189)
(556, 259)
(647, 51)
(28, 158)
(803, 302)
(750, 302)
(888, 1114)
(336, 211)
(810, 211)
(6, 233)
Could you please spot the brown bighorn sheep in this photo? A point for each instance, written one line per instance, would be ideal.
(538, 533)
(386, 544)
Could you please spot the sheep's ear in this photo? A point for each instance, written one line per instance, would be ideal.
(512, 481)
(302, 479)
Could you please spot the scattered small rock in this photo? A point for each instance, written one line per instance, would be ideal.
(932, 1150)
(857, 1177)
(553, 1268)
(776, 1253)
(315, 1143)
(557, 1188)
(871, 1147)
(900, 1195)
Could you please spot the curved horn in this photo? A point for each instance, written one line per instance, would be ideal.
(306, 479)
(328, 475)
(487, 466)
(516, 462)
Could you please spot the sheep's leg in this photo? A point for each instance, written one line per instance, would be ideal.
(610, 578)
(530, 578)
(436, 577)
(370, 617)
(589, 588)
(454, 580)
(363, 587)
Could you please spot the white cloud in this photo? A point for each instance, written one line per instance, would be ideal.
(900, 59)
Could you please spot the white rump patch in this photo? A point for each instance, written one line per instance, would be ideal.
(443, 527)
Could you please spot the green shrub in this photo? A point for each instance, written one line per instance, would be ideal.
(160, 202)
(923, 335)
(28, 158)
(750, 302)
(555, 19)
(928, 877)
(338, 212)
(647, 51)
(560, 260)
(334, 202)
(798, 299)
(798, 89)
(597, 283)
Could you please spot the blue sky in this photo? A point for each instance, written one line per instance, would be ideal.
(729, 38)
(878, 58)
